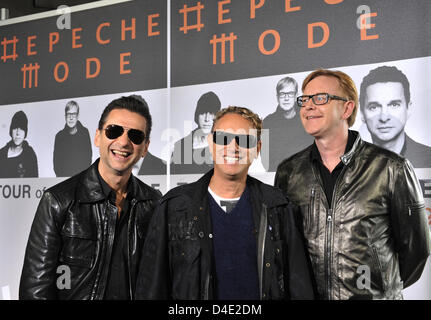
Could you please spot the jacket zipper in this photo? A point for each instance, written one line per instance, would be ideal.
(311, 209)
(328, 254)
(129, 258)
(329, 231)
(103, 218)
(261, 246)
(110, 239)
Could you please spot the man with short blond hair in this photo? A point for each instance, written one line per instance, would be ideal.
(362, 207)
(227, 235)
(72, 145)
(286, 135)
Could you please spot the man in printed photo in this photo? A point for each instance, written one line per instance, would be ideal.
(386, 106)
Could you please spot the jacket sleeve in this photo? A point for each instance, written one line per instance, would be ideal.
(280, 180)
(409, 222)
(153, 281)
(301, 281)
(38, 278)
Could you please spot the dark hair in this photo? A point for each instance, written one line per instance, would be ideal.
(133, 103)
(71, 104)
(19, 120)
(384, 74)
(208, 102)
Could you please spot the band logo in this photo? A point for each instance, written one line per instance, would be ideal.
(223, 44)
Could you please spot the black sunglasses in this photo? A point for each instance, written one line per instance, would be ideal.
(113, 131)
(243, 140)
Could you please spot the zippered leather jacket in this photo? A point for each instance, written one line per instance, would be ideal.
(374, 241)
(178, 258)
(74, 227)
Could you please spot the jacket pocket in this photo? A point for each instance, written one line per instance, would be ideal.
(377, 272)
(185, 268)
(79, 244)
(190, 250)
(310, 216)
(415, 208)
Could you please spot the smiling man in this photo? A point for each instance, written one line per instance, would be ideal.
(87, 234)
(386, 106)
(362, 207)
(227, 235)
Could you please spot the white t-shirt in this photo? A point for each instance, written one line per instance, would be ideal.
(227, 204)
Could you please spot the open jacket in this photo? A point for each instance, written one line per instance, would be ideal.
(178, 258)
(74, 226)
(374, 241)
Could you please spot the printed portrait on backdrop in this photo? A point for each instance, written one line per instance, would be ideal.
(17, 157)
(72, 145)
(150, 164)
(386, 106)
(286, 133)
(191, 154)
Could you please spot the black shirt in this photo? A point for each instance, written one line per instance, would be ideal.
(329, 178)
(117, 287)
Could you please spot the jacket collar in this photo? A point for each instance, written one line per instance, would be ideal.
(90, 188)
(347, 157)
(25, 144)
(259, 191)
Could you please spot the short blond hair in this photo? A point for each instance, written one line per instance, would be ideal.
(243, 112)
(346, 84)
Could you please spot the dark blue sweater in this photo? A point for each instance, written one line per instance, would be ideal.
(235, 250)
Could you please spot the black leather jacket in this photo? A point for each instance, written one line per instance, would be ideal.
(377, 222)
(178, 259)
(74, 226)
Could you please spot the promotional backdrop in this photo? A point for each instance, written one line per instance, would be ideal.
(188, 57)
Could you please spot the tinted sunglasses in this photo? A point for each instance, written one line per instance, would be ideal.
(114, 131)
(243, 140)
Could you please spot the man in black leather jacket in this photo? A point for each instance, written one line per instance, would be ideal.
(362, 206)
(228, 235)
(87, 234)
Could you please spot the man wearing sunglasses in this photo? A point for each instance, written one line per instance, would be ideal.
(87, 234)
(362, 207)
(227, 235)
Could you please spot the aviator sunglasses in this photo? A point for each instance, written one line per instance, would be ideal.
(243, 140)
(113, 131)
